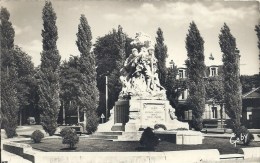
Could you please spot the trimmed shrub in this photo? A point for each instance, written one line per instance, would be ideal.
(37, 136)
(64, 131)
(69, 137)
(245, 136)
(92, 123)
(148, 139)
(10, 128)
(157, 126)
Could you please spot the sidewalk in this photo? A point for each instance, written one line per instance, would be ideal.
(12, 158)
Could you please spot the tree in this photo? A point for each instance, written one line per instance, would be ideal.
(110, 51)
(89, 94)
(70, 82)
(9, 101)
(48, 76)
(174, 87)
(249, 82)
(257, 29)
(215, 89)
(161, 55)
(196, 73)
(232, 86)
(25, 81)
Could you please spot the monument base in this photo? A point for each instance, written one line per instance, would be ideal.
(185, 137)
(134, 114)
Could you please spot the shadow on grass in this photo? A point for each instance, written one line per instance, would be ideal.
(68, 149)
(144, 149)
(26, 136)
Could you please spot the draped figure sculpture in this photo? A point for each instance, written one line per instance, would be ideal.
(139, 75)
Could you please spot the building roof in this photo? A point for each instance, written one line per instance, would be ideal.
(253, 94)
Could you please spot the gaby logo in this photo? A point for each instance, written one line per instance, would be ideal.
(236, 139)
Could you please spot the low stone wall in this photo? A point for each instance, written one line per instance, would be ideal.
(23, 150)
(128, 157)
(27, 152)
(253, 152)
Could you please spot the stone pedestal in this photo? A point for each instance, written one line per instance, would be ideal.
(135, 114)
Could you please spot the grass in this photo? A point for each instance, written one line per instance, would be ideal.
(90, 145)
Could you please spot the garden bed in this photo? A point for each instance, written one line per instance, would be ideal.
(91, 145)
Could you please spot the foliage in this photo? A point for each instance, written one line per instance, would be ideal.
(7, 30)
(92, 123)
(232, 86)
(196, 73)
(249, 82)
(162, 126)
(171, 86)
(9, 100)
(37, 136)
(148, 139)
(88, 92)
(70, 82)
(257, 29)
(110, 52)
(70, 137)
(48, 75)
(215, 89)
(247, 136)
(161, 55)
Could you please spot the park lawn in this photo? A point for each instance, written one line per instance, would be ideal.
(92, 145)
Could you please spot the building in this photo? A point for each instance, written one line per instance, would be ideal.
(251, 108)
(214, 110)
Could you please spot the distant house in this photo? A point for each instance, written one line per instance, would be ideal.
(251, 108)
(214, 110)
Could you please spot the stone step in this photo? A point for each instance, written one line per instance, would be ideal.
(231, 156)
(109, 133)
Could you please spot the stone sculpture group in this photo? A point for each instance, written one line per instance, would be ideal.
(139, 76)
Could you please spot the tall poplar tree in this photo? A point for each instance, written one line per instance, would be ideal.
(9, 100)
(89, 96)
(257, 29)
(196, 73)
(48, 76)
(232, 86)
(161, 54)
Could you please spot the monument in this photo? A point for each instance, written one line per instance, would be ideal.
(142, 101)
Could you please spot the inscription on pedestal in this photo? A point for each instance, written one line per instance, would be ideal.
(153, 114)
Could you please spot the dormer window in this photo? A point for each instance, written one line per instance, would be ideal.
(182, 73)
(213, 71)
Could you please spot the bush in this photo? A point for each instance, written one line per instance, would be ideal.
(92, 123)
(149, 139)
(37, 136)
(157, 126)
(243, 133)
(70, 137)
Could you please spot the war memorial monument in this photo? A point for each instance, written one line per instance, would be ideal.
(142, 101)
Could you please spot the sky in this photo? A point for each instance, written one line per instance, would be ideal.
(173, 17)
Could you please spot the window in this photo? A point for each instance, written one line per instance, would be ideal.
(182, 73)
(213, 71)
(214, 112)
(182, 95)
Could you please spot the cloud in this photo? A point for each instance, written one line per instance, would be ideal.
(21, 30)
(33, 49)
(182, 13)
